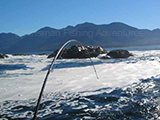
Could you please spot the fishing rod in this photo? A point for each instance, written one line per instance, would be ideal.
(49, 70)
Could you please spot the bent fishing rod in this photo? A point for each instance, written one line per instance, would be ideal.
(49, 70)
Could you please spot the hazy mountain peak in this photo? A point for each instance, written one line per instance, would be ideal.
(46, 29)
(9, 34)
(120, 25)
(117, 23)
(69, 27)
(156, 30)
(86, 24)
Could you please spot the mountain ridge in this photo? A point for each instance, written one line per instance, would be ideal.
(115, 34)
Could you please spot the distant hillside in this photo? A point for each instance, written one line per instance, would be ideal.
(107, 35)
(7, 40)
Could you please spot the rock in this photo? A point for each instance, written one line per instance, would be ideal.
(53, 54)
(119, 53)
(20, 54)
(43, 54)
(95, 51)
(79, 51)
(3, 55)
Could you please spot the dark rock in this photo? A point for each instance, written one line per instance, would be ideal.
(43, 54)
(119, 53)
(79, 51)
(53, 54)
(20, 54)
(3, 55)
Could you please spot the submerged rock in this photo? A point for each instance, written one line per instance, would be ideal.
(3, 55)
(79, 51)
(119, 53)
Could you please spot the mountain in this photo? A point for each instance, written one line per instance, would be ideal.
(115, 34)
(7, 40)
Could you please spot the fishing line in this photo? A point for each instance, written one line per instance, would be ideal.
(49, 70)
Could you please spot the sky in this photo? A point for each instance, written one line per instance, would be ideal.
(26, 16)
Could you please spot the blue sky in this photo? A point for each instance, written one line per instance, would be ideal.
(27, 16)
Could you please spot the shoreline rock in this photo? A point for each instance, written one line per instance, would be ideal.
(3, 55)
(120, 53)
(16, 54)
(79, 51)
(43, 54)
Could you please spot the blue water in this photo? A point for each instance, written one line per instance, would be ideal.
(5, 67)
(12, 67)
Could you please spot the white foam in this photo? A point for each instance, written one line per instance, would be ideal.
(74, 79)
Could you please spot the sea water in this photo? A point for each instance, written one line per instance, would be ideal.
(127, 89)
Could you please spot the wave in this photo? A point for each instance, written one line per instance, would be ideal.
(136, 101)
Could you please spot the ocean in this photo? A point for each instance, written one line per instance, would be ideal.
(127, 89)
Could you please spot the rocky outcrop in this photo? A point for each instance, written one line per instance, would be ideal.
(79, 51)
(20, 54)
(3, 55)
(119, 54)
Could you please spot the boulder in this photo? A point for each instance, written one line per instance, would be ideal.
(3, 55)
(79, 51)
(119, 53)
